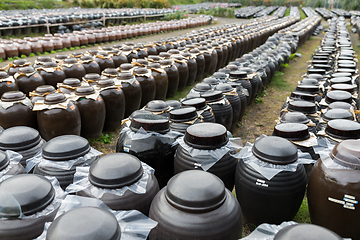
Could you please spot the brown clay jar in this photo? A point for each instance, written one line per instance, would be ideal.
(118, 58)
(104, 60)
(10, 49)
(24, 48)
(47, 44)
(7, 83)
(52, 73)
(161, 80)
(40, 92)
(74, 39)
(92, 112)
(58, 44)
(36, 46)
(73, 69)
(91, 78)
(147, 83)
(90, 65)
(173, 76)
(28, 79)
(69, 85)
(183, 68)
(65, 41)
(192, 65)
(40, 61)
(16, 65)
(200, 62)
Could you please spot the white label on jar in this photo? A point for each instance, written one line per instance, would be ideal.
(197, 165)
(348, 201)
(261, 183)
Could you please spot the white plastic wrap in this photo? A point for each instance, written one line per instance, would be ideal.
(81, 183)
(267, 231)
(83, 161)
(14, 158)
(134, 225)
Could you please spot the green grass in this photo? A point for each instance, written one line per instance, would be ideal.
(302, 14)
(181, 94)
(287, 12)
(303, 215)
(278, 82)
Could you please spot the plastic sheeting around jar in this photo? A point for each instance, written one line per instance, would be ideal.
(207, 158)
(82, 183)
(85, 160)
(267, 231)
(14, 158)
(134, 225)
(269, 170)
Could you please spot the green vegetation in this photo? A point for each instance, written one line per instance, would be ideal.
(302, 14)
(219, 11)
(122, 4)
(29, 4)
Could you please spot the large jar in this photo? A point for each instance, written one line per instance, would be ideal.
(183, 69)
(132, 91)
(90, 65)
(73, 69)
(333, 191)
(242, 93)
(198, 138)
(208, 59)
(220, 54)
(9, 163)
(36, 46)
(118, 58)
(195, 205)
(24, 48)
(183, 117)
(57, 116)
(28, 79)
(114, 99)
(51, 73)
(16, 65)
(173, 76)
(304, 231)
(221, 107)
(7, 83)
(147, 83)
(92, 111)
(161, 80)
(119, 171)
(104, 60)
(202, 108)
(69, 85)
(40, 92)
(274, 198)
(192, 66)
(16, 110)
(241, 78)
(10, 49)
(47, 44)
(200, 63)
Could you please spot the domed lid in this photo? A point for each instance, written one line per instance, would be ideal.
(84, 90)
(198, 103)
(115, 170)
(343, 129)
(292, 131)
(316, 70)
(140, 70)
(341, 105)
(154, 65)
(110, 71)
(45, 89)
(164, 54)
(202, 87)
(318, 77)
(126, 66)
(338, 95)
(155, 58)
(72, 82)
(183, 114)
(142, 61)
(44, 59)
(303, 96)
(156, 106)
(351, 88)
(31, 192)
(149, 122)
(238, 74)
(310, 81)
(305, 231)
(210, 80)
(19, 62)
(322, 66)
(105, 83)
(65, 147)
(125, 76)
(347, 153)
(173, 103)
(174, 51)
(54, 98)
(340, 74)
(86, 57)
(4, 160)
(275, 150)
(165, 62)
(12, 96)
(212, 95)
(206, 135)
(19, 138)
(224, 87)
(192, 95)
(92, 76)
(338, 80)
(70, 60)
(85, 223)
(195, 190)
(294, 117)
(346, 70)
(302, 106)
(313, 89)
(3, 74)
(26, 70)
(60, 56)
(49, 65)
(337, 113)
(219, 75)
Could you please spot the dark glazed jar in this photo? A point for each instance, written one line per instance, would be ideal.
(7, 83)
(278, 199)
(47, 44)
(114, 99)
(10, 49)
(147, 83)
(158, 107)
(221, 107)
(16, 110)
(118, 58)
(242, 93)
(192, 66)
(40, 92)
(200, 63)
(333, 191)
(104, 60)
(208, 59)
(117, 170)
(220, 54)
(173, 76)
(195, 205)
(36, 46)
(183, 69)
(69, 85)
(161, 80)
(58, 117)
(51, 73)
(241, 78)
(201, 107)
(183, 117)
(198, 136)
(73, 69)
(304, 231)
(6, 168)
(92, 111)
(92, 78)
(90, 65)
(132, 91)
(28, 79)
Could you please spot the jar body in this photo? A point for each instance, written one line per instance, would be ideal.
(192, 65)
(7, 87)
(53, 78)
(105, 63)
(183, 74)
(119, 59)
(148, 89)
(17, 115)
(236, 108)
(200, 63)
(223, 113)
(161, 82)
(173, 80)
(91, 67)
(133, 94)
(29, 84)
(115, 108)
(75, 71)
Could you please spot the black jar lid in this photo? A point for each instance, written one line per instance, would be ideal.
(156, 106)
(19, 138)
(92, 76)
(85, 223)
(322, 66)
(60, 56)
(45, 89)
(12, 96)
(202, 87)
(339, 80)
(140, 70)
(294, 117)
(310, 81)
(338, 95)
(347, 153)
(318, 77)
(303, 96)
(32, 193)
(142, 61)
(275, 150)
(219, 75)
(105, 83)
(340, 74)
(343, 129)
(72, 82)
(210, 80)
(3, 74)
(341, 105)
(4, 160)
(312, 89)
(351, 88)
(317, 61)
(65, 147)
(337, 113)
(192, 95)
(173, 103)
(292, 131)
(49, 65)
(302, 106)
(165, 62)
(19, 62)
(164, 54)
(115, 170)
(154, 65)
(346, 70)
(206, 136)
(26, 70)
(316, 70)
(84, 90)
(224, 87)
(149, 122)
(154, 57)
(305, 231)
(86, 57)
(347, 65)
(174, 51)
(198, 103)
(70, 60)
(183, 114)
(195, 190)
(125, 76)
(238, 74)
(126, 66)
(212, 95)
(54, 98)
(44, 59)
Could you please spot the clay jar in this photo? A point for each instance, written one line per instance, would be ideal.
(278, 199)
(28, 79)
(118, 170)
(305, 231)
(208, 59)
(69, 85)
(47, 44)
(5, 169)
(242, 95)
(200, 62)
(337, 175)
(16, 65)
(51, 73)
(73, 69)
(58, 118)
(10, 49)
(183, 69)
(24, 48)
(36, 46)
(40, 92)
(16, 110)
(147, 83)
(192, 65)
(118, 58)
(114, 99)
(161, 80)
(195, 205)
(7, 83)
(39, 62)
(173, 76)
(220, 54)
(183, 117)
(129, 53)
(92, 78)
(90, 65)
(132, 90)
(201, 107)
(92, 111)
(241, 77)
(104, 60)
